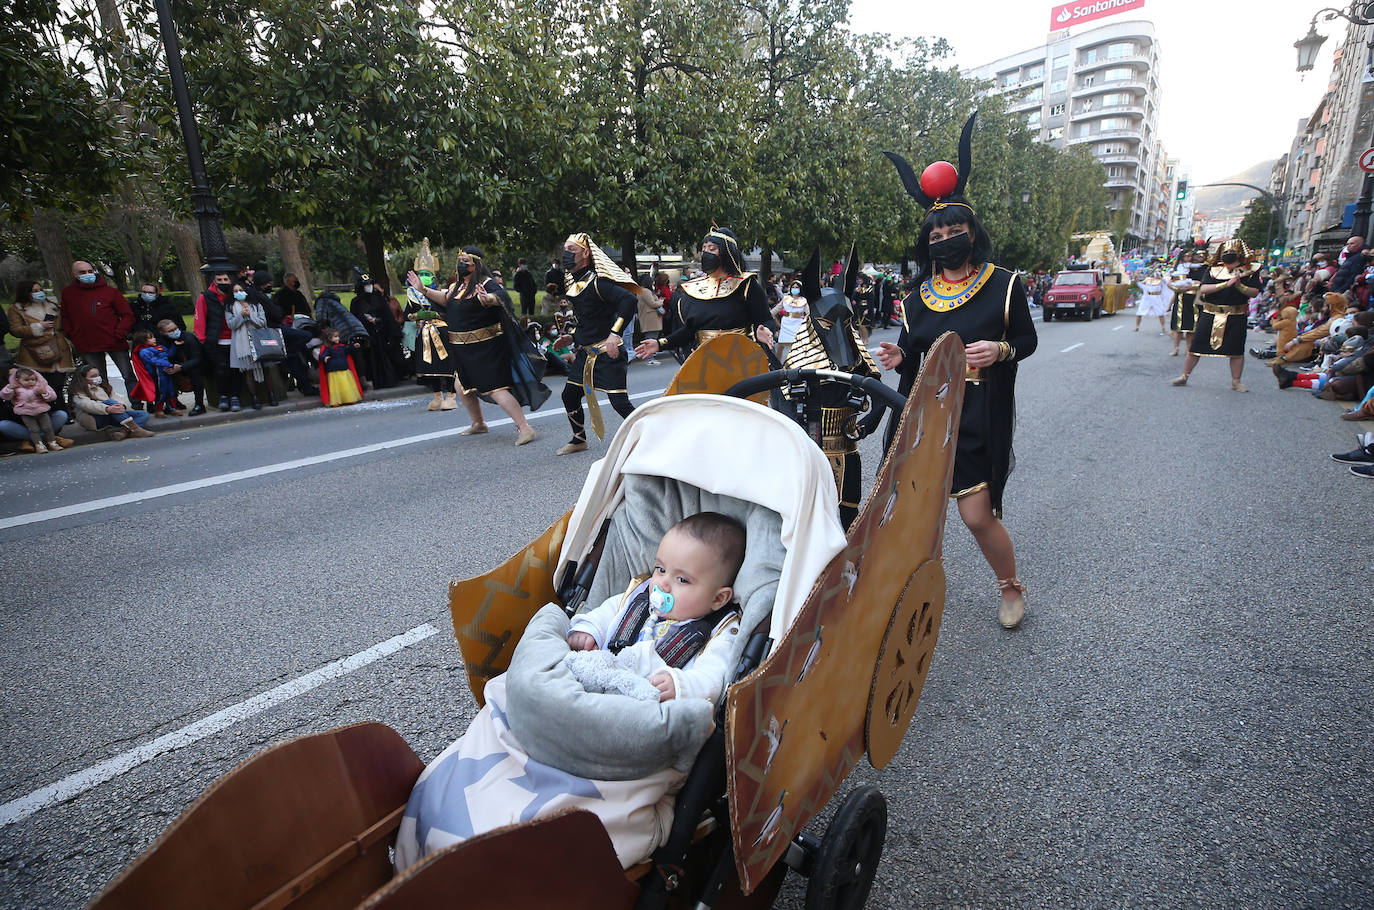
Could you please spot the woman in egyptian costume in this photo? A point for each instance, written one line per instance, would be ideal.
(959, 290)
(1230, 280)
(727, 300)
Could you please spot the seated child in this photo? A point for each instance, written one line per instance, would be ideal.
(33, 397)
(339, 384)
(673, 628)
(154, 371)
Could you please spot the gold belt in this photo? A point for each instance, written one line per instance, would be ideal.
(705, 335)
(1217, 309)
(1220, 313)
(973, 374)
(589, 390)
(486, 333)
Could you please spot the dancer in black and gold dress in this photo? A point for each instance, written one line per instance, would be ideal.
(960, 291)
(727, 300)
(1231, 279)
(1184, 281)
(482, 358)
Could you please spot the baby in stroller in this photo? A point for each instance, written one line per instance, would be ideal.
(669, 635)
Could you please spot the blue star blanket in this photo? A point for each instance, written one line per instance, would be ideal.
(486, 780)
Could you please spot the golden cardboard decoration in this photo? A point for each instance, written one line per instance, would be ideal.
(798, 725)
(718, 364)
(490, 611)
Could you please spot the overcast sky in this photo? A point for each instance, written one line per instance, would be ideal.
(1208, 51)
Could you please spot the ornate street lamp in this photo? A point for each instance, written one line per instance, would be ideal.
(203, 201)
(1308, 46)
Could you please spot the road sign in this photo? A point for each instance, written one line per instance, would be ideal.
(1367, 160)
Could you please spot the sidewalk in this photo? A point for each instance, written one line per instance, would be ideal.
(214, 417)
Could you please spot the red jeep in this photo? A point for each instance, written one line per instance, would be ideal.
(1075, 291)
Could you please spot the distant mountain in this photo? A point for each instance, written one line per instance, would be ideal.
(1226, 201)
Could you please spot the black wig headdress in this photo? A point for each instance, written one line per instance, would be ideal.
(921, 189)
(730, 256)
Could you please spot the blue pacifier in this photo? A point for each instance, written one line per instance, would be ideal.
(660, 600)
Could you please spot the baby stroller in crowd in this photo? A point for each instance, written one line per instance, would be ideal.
(834, 647)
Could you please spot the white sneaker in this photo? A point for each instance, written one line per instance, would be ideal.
(39, 448)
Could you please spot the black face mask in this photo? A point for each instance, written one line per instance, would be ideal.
(464, 269)
(952, 252)
(223, 289)
(569, 260)
(1230, 258)
(709, 262)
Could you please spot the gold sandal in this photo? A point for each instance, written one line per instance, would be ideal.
(1011, 612)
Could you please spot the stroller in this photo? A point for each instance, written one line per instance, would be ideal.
(835, 645)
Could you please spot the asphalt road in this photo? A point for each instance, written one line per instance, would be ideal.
(1183, 720)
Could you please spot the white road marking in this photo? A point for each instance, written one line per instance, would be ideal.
(1072, 346)
(78, 783)
(124, 499)
(1118, 328)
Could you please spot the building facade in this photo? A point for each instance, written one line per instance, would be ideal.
(1321, 178)
(1098, 88)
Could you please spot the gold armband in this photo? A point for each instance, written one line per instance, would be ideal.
(618, 325)
(1007, 351)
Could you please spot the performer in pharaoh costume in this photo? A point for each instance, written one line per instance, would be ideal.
(959, 290)
(1230, 280)
(432, 359)
(828, 339)
(485, 345)
(1185, 279)
(602, 296)
(728, 299)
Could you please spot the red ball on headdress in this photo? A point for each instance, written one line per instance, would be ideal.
(939, 179)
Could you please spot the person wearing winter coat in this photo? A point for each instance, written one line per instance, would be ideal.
(214, 333)
(150, 307)
(187, 356)
(153, 368)
(33, 398)
(97, 319)
(242, 316)
(96, 408)
(36, 320)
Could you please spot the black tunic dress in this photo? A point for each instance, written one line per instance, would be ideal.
(991, 307)
(1183, 311)
(597, 302)
(705, 307)
(481, 357)
(1220, 330)
(433, 357)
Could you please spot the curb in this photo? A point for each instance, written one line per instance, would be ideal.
(215, 417)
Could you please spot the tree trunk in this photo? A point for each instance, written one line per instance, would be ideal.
(376, 252)
(188, 257)
(51, 236)
(294, 260)
(627, 253)
(766, 263)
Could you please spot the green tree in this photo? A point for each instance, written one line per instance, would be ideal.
(1256, 227)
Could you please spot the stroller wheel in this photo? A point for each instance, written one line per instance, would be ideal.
(849, 853)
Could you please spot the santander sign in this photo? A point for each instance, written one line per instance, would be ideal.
(1067, 14)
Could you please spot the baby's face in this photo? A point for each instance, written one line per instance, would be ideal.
(690, 571)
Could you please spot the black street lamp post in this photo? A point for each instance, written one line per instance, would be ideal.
(203, 202)
(1361, 12)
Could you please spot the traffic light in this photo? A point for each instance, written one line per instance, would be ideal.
(1182, 191)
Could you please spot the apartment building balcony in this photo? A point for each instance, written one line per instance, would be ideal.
(1120, 158)
(1026, 104)
(1130, 183)
(1136, 84)
(1144, 58)
(1133, 108)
